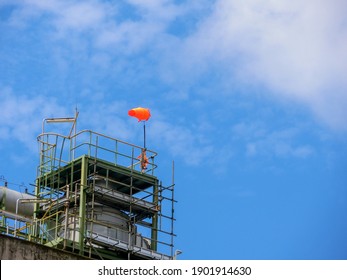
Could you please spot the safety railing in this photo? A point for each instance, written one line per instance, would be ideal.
(57, 150)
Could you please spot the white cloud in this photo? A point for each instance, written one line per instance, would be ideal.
(21, 116)
(181, 142)
(64, 16)
(106, 117)
(266, 142)
(296, 49)
(107, 26)
(157, 10)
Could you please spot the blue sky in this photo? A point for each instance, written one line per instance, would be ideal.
(248, 98)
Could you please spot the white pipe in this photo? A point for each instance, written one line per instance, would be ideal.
(26, 200)
(9, 197)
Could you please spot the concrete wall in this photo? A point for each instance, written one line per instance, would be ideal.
(16, 249)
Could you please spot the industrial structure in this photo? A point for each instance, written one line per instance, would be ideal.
(95, 196)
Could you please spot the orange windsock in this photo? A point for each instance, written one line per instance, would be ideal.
(142, 114)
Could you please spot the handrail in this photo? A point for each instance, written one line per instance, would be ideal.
(92, 132)
(55, 152)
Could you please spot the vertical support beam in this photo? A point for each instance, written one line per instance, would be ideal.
(154, 232)
(37, 192)
(35, 228)
(172, 188)
(82, 206)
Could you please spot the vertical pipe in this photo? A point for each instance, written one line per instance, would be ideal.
(116, 153)
(72, 149)
(82, 206)
(130, 244)
(66, 214)
(172, 207)
(73, 137)
(92, 186)
(154, 235)
(74, 220)
(90, 143)
(37, 193)
(96, 146)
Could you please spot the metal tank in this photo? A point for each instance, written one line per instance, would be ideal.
(102, 220)
(106, 222)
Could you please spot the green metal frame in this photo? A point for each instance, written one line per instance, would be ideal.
(59, 168)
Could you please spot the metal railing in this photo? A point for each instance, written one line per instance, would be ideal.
(57, 150)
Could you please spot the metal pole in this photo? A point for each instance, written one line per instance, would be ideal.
(154, 236)
(82, 206)
(26, 200)
(66, 214)
(172, 208)
(130, 225)
(144, 134)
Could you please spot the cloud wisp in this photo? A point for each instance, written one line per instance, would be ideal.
(293, 49)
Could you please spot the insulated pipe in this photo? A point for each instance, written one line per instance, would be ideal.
(8, 199)
(26, 200)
